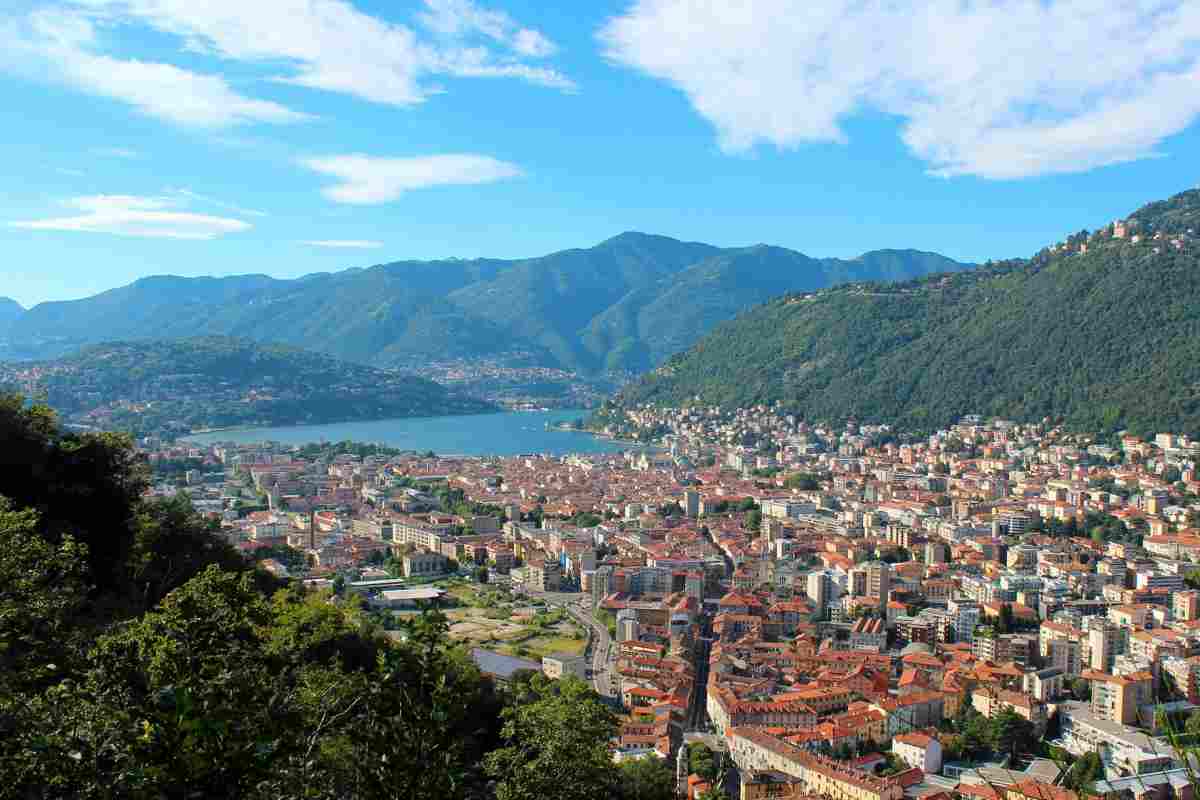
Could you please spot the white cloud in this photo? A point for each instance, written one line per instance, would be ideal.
(124, 153)
(127, 215)
(458, 18)
(331, 45)
(349, 244)
(366, 180)
(1003, 89)
(66, 45)
(212, 201)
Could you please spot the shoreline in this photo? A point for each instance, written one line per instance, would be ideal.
(493, 433)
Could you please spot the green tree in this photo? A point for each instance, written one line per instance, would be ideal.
(803, 481)
(701, 762)
(1081, 775)
(43, 589)
(645, 778)
(1011, 733)
(565, 725)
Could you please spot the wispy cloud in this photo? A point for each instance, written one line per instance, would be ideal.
(212, 201)
(1003, 89)
(367, 180)
(66, 44)
(116, 152)
(320, 44)
(69, 172)
(128, 215)
(347, 244)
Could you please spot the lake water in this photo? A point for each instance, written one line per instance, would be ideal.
(503, 434)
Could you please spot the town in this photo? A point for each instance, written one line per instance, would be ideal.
(995, 611)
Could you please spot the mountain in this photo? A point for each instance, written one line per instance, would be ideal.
(1101, 331)
(178, 385)
(622, 305)
(10, 310)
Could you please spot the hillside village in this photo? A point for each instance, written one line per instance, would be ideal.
(855, 613)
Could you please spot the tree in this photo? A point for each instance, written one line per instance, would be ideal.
(565, 725)
(481, 574)
(1081, 689)
(803, 481)
(700, 762)
(42, 589)
(1083, 774)
(645, 778)
(754, 520)
(1012, 734)
(1004, 623)
(339, 585)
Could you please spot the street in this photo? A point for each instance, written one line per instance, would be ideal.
(603, 656)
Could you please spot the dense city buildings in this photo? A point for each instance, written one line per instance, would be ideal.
(797, 592)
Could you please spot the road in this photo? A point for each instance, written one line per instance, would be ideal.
(698, 713)
(603, 653)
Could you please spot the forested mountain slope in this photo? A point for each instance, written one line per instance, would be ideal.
(1100, 330)
(180, 384)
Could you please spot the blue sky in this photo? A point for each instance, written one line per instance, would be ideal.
(292, 136)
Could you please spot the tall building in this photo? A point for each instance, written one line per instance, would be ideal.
(966, 619)
(936, 553)
(691, 502)
(879, 583)
(1104, 640)
(1185, 605)
(819, 588)
(601, 584)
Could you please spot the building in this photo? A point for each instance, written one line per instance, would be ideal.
(1185, 606)
(752, 750)
(1124, 750)
(1118, 698)
(966, 619)
(424, 565)
(868, 633)
(501, 668)
(920, 750)
(556, 665)
(407, 599)
(1104, 645)
(691, 503)
(819, 589)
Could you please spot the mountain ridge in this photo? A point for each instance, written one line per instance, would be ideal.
(172, 385)
(556, 310)
(1100, 331)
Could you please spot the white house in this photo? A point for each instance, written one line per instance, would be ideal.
(919, 750)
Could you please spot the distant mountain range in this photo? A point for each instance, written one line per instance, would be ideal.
(175, 386)
(10, 310)
(1102, 331)
(623, 305)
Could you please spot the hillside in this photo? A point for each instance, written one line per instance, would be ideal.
(1106, 338)
(179, 385)
(10, 310)
(622, 305)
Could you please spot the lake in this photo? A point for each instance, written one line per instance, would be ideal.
(503, 434)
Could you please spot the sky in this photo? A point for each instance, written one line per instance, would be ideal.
(285, 137)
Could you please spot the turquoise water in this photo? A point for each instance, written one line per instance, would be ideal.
(503, 434)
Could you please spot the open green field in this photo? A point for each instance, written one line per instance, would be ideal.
(494, 620)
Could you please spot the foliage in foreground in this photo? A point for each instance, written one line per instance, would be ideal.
(140, 657)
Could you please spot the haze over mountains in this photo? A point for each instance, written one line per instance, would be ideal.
(624, 305)
(1102, 331)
